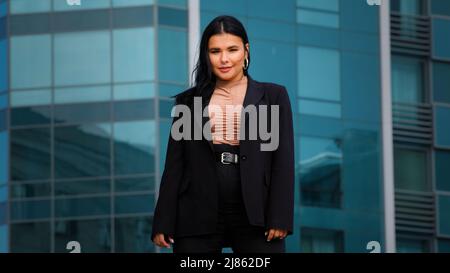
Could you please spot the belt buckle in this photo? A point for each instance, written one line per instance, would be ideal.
(222, 157)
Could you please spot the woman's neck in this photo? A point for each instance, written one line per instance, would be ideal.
(230, 83)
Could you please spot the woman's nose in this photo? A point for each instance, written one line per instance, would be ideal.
(224, 57)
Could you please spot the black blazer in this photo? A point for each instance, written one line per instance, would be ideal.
(188, 203)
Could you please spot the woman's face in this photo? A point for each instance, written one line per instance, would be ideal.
(226, 53)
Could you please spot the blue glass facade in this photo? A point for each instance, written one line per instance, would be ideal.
(85, 116)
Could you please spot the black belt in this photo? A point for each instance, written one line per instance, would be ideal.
(227, 158)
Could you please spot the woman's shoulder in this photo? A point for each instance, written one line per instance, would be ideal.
(273, 90)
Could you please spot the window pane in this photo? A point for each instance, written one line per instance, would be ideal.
(411, 7)
(443, 219)
(440, 7)
(134, 147)
(4, 73)
(3, 213)
(443, 246)
(143, 203)
(30, 116)
(312, 64)
(168, 90)
(3, 101)
(134, 91)
(165, 108)
(442, 161)
(77, 207)
(93, 235)
(130, 110)
(412, 246)
(23, 237)
(441, 82)
(135, 184)
(4, 155)
(23, 210)
(82, 187)
(30, 190)
(61, 5)
(27, 6)
(83, 150)
(83, 94)
(173, 56)
(132, 234)
(407, 80)
(328, 5)
(172, 17)
(317, 18)
(134, 54)
(441, 42)
(3, 121)
(30, 154)
(442, 133)
(128, 3)
(92, 112)
(320, 172)
(82, 58)
(181, 3)
(30, 61)
(411, 169)
(30, 98)
(321, 241)
(319, 108)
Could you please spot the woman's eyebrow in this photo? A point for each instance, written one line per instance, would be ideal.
(230, 47)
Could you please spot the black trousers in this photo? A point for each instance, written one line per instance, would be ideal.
(233, 228)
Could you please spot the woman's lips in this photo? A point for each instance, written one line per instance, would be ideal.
(224, 70)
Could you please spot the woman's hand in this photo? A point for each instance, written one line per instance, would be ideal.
(161, 242)
(275, 233)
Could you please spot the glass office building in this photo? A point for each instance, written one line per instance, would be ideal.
(85, 116)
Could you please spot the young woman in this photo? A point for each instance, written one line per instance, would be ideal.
(225, 188)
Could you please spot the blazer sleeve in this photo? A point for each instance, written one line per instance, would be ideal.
(164, 218)
(280, 212)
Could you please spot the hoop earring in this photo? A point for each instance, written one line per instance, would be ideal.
(245, 64)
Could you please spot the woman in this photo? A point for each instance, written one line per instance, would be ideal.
(223, 189)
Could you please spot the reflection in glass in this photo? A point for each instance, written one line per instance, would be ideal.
(30, 190)
(83, 150)
(30, 237)
(320, 172)
(77, 113)
(134, 147)
(77, 207)
(36, 115)
(30, 154)
(134, 54)
(321, 241)
(82, 187)
(93, 235)
(30, 61)
(412, 245)
(82, 57)
(32, 209)
(411, 169)
(407, 80)
(131, 234)
(142, 203)
(146, 183)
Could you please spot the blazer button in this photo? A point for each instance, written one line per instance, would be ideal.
(243, 157)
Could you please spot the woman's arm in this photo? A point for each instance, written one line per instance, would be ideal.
(280, 214)
(164, 218)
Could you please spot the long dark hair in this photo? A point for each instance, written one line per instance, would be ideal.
(204, 76)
